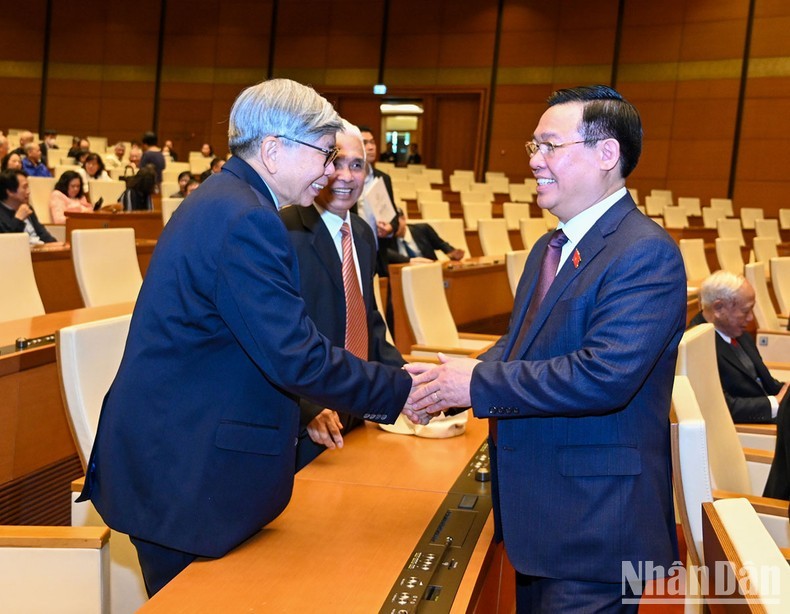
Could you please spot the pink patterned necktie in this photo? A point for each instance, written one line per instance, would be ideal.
(356, 319)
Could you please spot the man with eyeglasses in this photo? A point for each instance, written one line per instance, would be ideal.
(194, 452)
(578, 391)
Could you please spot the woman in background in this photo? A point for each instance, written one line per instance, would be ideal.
(68, 195)
(11, 161)
(93, 168)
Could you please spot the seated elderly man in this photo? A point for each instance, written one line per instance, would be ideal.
(418, 241)
(16, 215)
(32, 163)
(752, 394)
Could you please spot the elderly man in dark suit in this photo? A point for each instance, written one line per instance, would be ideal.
(579, 388)
(418, 241)
(751, 392)
(16, 215)
(195, 446)
(316, 233)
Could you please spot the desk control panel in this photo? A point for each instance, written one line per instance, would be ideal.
(430, 578)
(27, 343)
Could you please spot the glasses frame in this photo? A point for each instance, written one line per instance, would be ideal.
(534, 147)
(331, 154)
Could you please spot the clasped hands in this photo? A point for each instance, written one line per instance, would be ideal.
(438, 387)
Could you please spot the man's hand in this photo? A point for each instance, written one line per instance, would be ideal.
(325, 429)
(23, 212)
(440, 387)
(456, 254)
(383, 229)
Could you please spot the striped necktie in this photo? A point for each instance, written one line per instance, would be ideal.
(356, 318)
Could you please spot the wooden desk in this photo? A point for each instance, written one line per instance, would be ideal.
(351, 525)
(38, 459)
(477, 291)
(146, 224)
(55, 278)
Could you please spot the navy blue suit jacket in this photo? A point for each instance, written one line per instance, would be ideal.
(582, 463)
(321, 271)
(195, 445)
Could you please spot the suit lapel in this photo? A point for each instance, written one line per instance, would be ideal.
(323, 244)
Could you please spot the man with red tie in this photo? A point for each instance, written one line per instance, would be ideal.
(580, 386)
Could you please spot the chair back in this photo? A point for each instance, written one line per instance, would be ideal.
(764, 311)
(550, 219)
(514, 265)
(428, 195)
(740, 550)
(691, 205)
(460, 183)
(531, 230)
(106, 266)
(476, 211)
(765, 248)
(664, 194)
(494, 240)
(40, 191)
(654, 205)
(110, 191)
(675, 217)
(690, 465)
(728, 253)
(521, 193)
(730, 229)
(725, 204)
(380, 307)
(433, 210)
(749, 215)
(88, 358)
(498, 184)
(784, 219)
(169, 205)
(21, 298)
(697, 361)
(55, 569)
(693, 252)
(426, 305)
(451, 230)
(768, 228)
(711, 215)
(513, 212)
(780, 279)
(404, 190)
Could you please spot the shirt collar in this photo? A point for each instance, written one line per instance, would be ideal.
(332, 221)
(576, 227)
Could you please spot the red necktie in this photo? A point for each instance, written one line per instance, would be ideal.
(356, 319)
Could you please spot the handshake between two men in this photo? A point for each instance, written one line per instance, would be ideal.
(438, 387)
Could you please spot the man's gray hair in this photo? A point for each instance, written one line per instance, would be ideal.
(721, 285)
(351, 130)
(29, 147)
(278, 107)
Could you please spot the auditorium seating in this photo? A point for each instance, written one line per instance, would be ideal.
(520, 193)
(531, 229)
(725, 204)
(764, 312)
(694, 260)
(40, 191)
(691, 205)
(452, 231)
(728, 253)
(20, 297)
(513, 213)
(476, 211)
(765, 248)
(784, 219)
(666, 195)
(110, 191)
(169, 205)
(438, 209)
(429, 314)
(494, 239)
(711, 216)
(54, 569)
(514, 265)
(106, 265)
(730, 228)
(550, 219)
(768, 228)
(749, 215)
(675, 217)
(654, 205)
(741, 550)
(780, 280)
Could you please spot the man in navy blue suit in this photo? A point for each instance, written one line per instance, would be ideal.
(580, 386)
(195, 446)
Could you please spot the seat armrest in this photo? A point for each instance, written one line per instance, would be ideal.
(78, 484)
(413, 358)
(53, 537)
(479, 337)
(758, 456)
(763, 505)
(429, 350)
(757, 429)
(774, 346)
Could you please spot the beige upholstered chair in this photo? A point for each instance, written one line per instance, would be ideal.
(765, 248)
(728, 253)
(729, 468)
(550, 219)
(474, 212)
(20, 297)
(460, 183)
(514, 265)
(739, 550)
(784, 219)
(429, 314)
(711, 215)
(433, 175)
(452, 231)
(435, 210)
(749, 215)
(513, 212)
(499, 184)
(404, 190)
(654, 204)
(693, 252)
(428, 195)
(634, 194)
(54, 569)
(110, 191)
(494, 239)
(521, 193)
(764, 312)
(690, 204)
(88, 358)
(780, 279)
(531, 230)
(105, 262)
(675, 217)
(665, 194)
(470, 197)
(40, 191)
(169, 205)
(768, 228)
(725, 204)
(730, 229)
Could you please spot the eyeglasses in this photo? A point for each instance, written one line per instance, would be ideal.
(330, 154)
(547, 148)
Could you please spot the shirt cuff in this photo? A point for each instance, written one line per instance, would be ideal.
(774, 406)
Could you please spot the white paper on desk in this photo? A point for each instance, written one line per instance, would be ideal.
(377, 199)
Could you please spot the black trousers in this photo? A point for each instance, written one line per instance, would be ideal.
(159, 563)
